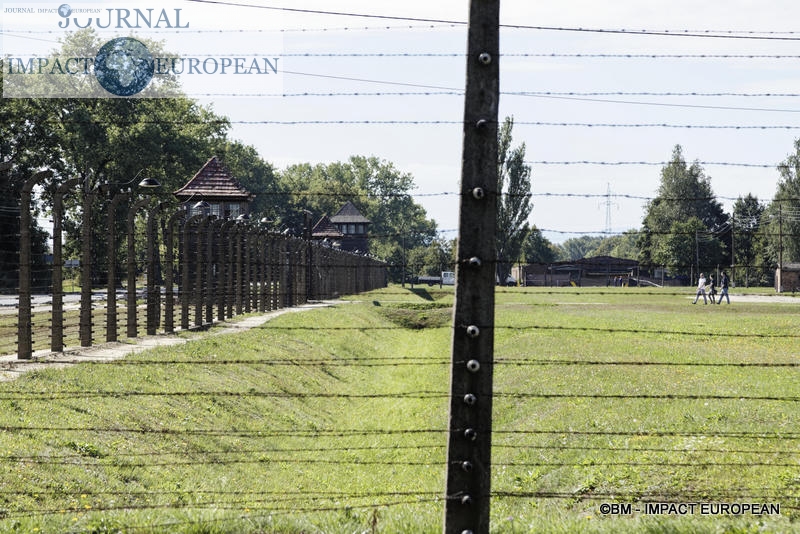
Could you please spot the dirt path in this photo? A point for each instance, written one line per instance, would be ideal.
(782, 299)
(11, 367)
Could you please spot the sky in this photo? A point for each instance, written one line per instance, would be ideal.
(604, 97)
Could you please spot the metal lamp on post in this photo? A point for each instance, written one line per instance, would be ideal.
(201, 207)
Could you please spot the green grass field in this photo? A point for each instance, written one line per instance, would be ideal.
(335, 420)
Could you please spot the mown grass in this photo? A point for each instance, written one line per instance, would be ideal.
(42, 324)
(335, 420)
(644, 397)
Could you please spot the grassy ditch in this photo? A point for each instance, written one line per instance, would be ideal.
(335, 420)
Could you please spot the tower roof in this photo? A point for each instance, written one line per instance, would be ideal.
(325, 228)
(214, 180)
(349, 214)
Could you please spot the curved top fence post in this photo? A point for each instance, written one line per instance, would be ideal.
(24, 333)
(57, 306)
(169, 270)
(111, 290)
(132, 327)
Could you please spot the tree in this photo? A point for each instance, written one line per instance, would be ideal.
(514, 203)
(619, 246)
(255, 175)
(684, 193)
(747, 243)
(782, 231)
(537, 248)
(430, 260)
(690, 247)
(379, 191)
(579, 247)
(109, 142)
(83, 81)
(11, 183)
(26, 143)
(112, 143)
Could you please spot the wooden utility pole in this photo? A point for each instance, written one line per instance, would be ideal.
(733, 250)
(469, 445)
(780, 235)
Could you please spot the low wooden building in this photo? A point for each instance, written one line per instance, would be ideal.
(594, 271)
(787, 277)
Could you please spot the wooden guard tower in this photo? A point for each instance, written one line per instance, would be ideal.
(215, 191)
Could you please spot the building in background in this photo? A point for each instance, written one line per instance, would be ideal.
(215, 191)
(346, 230)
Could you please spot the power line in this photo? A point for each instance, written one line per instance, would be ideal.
(732, 434)
(662, 125)
(399, 362)
(650, 163)
(646, 496)
(714, 34)
(441, 91)
(331, 13)
(250, 454)
(356, 94)
(635, 363)
(367, 463)
(220, 394)
(648, 56)
(707, 34)
(538, 55)
(450, 122)
(18, 32)
(671, 105)
(653, 93)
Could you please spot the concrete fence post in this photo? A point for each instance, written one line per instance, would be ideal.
(57, 307)
(24, 319)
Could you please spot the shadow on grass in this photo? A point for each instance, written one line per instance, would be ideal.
(422, 293)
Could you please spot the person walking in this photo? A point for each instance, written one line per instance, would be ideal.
(712, 288)
(701, 289)
(723, 288)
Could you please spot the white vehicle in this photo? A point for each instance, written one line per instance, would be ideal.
(448, 278)
(510, 281)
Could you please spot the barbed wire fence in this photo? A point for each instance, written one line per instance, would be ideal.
(207, 269)
(210, 260)
(210, 272)
(274, 276)
(549, 446)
